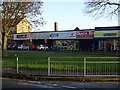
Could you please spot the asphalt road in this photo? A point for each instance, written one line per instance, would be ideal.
(15, 83)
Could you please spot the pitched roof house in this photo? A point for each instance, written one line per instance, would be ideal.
(21, 25)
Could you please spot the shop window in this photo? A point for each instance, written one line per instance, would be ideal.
(66, 44)
(102, 45)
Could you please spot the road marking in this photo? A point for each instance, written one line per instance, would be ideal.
(68, 87)
(35, 82)
(54, 85)
(49, 84)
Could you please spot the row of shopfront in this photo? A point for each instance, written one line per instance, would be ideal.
(83, 40)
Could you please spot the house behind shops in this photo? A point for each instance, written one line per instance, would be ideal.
(21, 25)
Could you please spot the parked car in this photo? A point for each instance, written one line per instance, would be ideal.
(9, 46)
(42, 47)
(26, 47)
(14, 46)
(20, 46)
(33, 47)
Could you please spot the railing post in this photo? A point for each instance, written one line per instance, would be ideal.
(84, 66)
(17, 64)
(48, 66)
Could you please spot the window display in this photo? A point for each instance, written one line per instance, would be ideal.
(66, 44)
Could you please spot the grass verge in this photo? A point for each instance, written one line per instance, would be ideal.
(39, 61)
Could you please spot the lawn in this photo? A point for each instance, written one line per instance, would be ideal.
(63, 54)
(39, 61)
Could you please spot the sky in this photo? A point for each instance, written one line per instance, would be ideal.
(70, 15)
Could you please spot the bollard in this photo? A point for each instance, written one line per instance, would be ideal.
(48, 66)
(84, 66)
(17, 64)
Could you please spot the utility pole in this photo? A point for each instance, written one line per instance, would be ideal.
(119, 14)
(118, 41)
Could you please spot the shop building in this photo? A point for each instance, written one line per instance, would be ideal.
(105, 39)
(73, 40)
(60, 40)
(108, 38)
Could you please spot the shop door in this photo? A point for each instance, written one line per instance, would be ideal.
(85, 45)
(108, 46)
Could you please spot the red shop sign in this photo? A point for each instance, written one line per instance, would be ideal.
(85, 34)
(45, 41)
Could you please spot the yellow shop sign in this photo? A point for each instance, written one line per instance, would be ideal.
(107, 34)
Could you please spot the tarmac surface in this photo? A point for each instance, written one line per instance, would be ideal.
(58, 85)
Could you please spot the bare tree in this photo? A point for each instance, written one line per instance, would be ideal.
(102, 8)
(11, 12)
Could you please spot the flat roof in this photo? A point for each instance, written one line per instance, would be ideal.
(107, 28)
(60, 31)
(96, 29)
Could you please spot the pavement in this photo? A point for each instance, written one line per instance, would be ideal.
(63, 78)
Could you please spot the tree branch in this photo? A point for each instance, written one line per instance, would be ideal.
(101, 8)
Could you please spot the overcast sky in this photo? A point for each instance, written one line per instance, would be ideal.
(70, 15)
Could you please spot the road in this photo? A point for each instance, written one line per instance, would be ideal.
(15, 83)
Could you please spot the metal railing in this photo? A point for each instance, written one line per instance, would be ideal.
(83, 66)
(25, 65)
(9, 64)
(62, 66)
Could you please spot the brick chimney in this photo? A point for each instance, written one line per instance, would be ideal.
(24, 14)
(56, 26)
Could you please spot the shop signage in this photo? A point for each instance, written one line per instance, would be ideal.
(54, 35)
(110, 34)
(72, 35)
(84, 34)
(45, 40)
(107, 34)
(21, 36)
